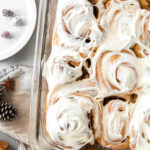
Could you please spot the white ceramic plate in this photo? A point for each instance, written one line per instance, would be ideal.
(20, 35)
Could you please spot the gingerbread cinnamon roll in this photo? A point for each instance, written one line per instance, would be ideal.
(140, 124)
(115, 124)
(73, 120)
(75, 24)
(119, 23)
(120, 72)
(63, 69)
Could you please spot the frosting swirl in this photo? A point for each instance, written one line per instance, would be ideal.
(119, 23)
(63, 69)
(68, 121)
(120, 71)
(75, 23)
(72, 13)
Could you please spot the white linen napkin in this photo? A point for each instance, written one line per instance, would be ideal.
(20, 98)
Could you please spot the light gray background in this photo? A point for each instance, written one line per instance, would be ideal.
(24, 57)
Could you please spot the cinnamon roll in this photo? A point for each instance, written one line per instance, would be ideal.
(140, 124)
(76, 24)
(115, 124)
(119, 23)
(63, 69)
(73, 120)
(120, 72)
(67, 69)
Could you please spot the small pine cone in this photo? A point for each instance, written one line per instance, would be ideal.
(7, 111)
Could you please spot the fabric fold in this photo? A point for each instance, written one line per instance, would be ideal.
(20, 98)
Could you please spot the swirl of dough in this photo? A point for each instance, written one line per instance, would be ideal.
(71, 120)
(115, 124)
(75, 23)
(119, 23)
(120, 71)
(140, 124)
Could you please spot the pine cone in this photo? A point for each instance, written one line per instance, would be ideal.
(7, 111)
